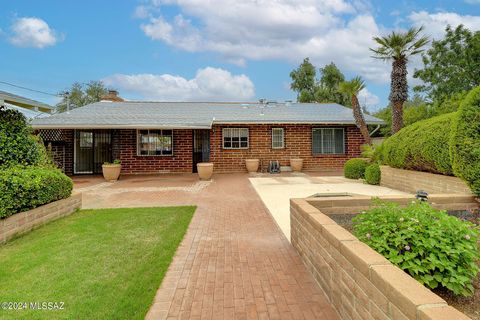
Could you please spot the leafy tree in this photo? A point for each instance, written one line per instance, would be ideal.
(303, 81)
(352, 88)
(327, 89)
(451, 66)
(398, 47)
(414, 110)
(80, 95)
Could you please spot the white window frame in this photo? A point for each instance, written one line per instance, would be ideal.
(153, 155)
(224, 130)
(282, 130)
(343, 139)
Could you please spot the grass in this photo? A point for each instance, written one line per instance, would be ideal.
(103, 264)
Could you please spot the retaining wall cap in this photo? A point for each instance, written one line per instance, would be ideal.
(335, 234)
(441, 313)
(361, 256)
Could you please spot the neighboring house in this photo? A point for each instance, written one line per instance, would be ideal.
(30, 108)
(155, 137)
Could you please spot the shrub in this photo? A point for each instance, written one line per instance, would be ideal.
(17, 145)
(373, 174)
(436, 249)
(355, 168)
(24, 188)
(421, 146)
(465, 141)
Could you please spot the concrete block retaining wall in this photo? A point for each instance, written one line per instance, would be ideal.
(358, 281)
(25, 221)
(411, 181)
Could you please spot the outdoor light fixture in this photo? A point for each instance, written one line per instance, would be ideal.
(422, 195)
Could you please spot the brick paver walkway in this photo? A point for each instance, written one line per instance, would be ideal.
(234, 262)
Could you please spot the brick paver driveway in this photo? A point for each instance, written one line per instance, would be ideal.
(234, 262)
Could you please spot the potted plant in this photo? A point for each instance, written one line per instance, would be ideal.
(205, 170)
(252, 164)
(296, 164)
(111, 171)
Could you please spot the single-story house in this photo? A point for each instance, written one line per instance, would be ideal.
(158, 137)
(29, 107)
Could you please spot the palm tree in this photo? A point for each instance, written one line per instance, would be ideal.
(352, 88)
(398, 47)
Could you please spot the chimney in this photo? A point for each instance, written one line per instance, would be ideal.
(112, 95)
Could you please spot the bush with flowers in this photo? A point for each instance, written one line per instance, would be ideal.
(435, 248)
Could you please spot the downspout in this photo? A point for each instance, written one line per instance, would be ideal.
(374, 130)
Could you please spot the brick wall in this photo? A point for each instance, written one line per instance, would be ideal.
(298, 144)
(411, 181)
(126, 149)
(25, 221)
(359, 282)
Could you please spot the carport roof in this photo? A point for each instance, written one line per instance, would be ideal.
(197, 115)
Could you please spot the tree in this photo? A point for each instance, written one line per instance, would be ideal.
(398, 47)
(352, 88)
(303, 81)
(451, 66)
(80, 95)
(327, 89)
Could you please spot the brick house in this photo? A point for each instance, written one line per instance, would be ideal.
(158, 137)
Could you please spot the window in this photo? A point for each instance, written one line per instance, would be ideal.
(328, 141)
(235, 138)
(155, 143)
(277, 138)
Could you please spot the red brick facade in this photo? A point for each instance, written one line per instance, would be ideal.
(298, 144)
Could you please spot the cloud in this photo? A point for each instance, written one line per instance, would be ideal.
(289, 30)
(435, 23)
(209, 84)
(368, 99)
(473, 1)
(33, 32)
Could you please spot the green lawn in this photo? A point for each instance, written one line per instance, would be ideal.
(103, 264)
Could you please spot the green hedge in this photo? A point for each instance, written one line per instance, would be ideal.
(24, 188)
(465, 141)
(422, 146)
(436, 249)
(373, 174)
(355, 168)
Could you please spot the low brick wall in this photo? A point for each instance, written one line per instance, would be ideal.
(25, 221)
(358, 281)
(411, 181)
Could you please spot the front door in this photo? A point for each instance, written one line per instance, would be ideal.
(92, 149)
(201, 147)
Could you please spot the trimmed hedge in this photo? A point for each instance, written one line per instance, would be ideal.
(17, 144)
(373, 174)
(465, 141)
(422, 146)
(355, 168)
(24, 188)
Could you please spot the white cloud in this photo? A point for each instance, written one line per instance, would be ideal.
(368, 99)
(209, 84)
(324, 30)
(32, 32)
(473, 1)
(435, 23)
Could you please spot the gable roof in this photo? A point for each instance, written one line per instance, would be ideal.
(196, 115)
(23, 102)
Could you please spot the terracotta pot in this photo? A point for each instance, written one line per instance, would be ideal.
(296, 164)
(111, 172)
(205, 170)
(252, 164)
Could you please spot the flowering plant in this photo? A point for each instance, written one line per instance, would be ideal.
(435, 248)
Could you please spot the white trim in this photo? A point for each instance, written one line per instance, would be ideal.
(283, 137)
(152, 155)
(240, 142)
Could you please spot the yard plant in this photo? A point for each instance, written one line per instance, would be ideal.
(373, 174)
(355, 168)
(103, 264)
(435, 248)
